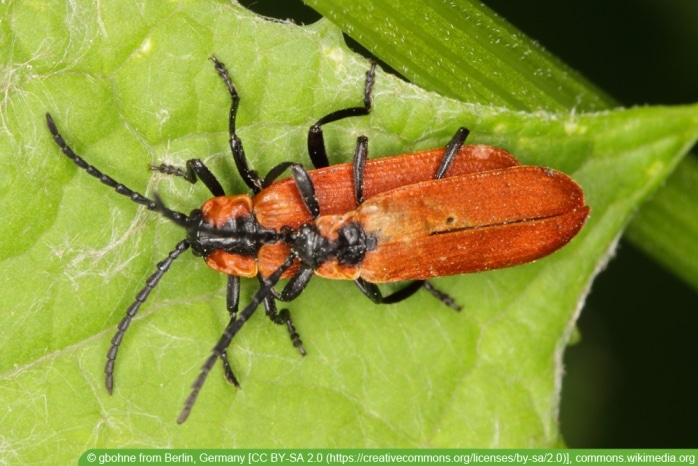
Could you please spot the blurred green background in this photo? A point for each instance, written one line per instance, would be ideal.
(631, 381)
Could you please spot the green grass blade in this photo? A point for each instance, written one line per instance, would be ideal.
(667, 225)
(464, 50)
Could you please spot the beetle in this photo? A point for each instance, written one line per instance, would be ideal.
(315, 222)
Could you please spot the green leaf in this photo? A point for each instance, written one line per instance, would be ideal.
(75, 253)
(462, 49)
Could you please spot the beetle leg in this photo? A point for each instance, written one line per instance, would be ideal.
(373, 293)
(306, 189)
(275, 172)
(441, 296)
(196, 170)
(249, 176)
(452, 149)
(232, 302)
(316, 139)
(229, 333)
(296, 284)
(282, 317)
(450, 153)
(360, 157)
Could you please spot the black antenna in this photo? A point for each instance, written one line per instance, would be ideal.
(152, 281)
(136, 197)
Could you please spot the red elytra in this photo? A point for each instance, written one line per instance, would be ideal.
(470, 223)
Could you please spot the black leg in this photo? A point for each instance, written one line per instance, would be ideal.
(232, 295)
(452, 149)
(303, 183)
(306, 189)
(275, 172)
(196, 170)
(373, 293)
(316, 139)
(370, 290)
(297, 284)
(360, 157)
(249, 176)
(231, 330)
(232, 302)
(441, 296)
(282, 317)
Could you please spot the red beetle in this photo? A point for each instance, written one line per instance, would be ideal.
(465, 208)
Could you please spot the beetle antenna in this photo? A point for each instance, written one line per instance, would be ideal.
(172, 215)
(152, 281)
(135, 196)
